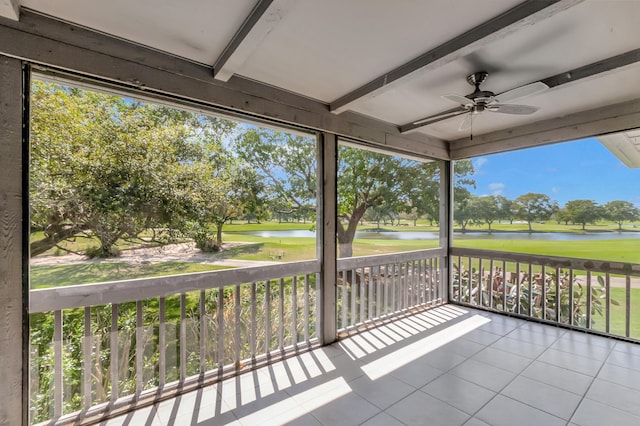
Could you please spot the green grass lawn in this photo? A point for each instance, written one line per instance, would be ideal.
(618, 313)
(63, 275)
(551, 226)
(620, 250)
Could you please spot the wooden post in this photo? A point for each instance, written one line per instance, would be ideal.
(13, 320)
(446, 228)
(328, 146)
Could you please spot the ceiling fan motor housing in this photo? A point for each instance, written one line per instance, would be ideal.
(477, 78)
(479, 97)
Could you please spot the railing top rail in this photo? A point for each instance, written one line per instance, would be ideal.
(382, 259)
(604, 266)
(77, 296)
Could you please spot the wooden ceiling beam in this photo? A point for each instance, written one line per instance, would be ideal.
(261, 21)
(524, 14)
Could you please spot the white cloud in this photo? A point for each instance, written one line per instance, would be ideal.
(479, 162)
(555, 190)
(497, 188)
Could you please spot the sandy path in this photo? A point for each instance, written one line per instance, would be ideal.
(182, 252)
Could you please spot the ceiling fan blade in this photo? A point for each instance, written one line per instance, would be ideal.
(439, 117)
(522, 91)
(462, 100)
(513, 109)
(466, 122)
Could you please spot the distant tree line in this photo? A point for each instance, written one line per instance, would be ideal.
(533, 207)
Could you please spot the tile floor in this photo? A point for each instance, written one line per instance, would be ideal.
(447, 366)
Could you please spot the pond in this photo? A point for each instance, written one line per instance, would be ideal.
(422, 235)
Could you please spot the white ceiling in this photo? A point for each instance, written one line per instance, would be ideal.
(326, 49)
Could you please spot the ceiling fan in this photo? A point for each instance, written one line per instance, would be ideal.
(485, 101)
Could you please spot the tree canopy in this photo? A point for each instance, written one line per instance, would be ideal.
(533, 207)
(621, 211)
(109, 167)
(582, 211)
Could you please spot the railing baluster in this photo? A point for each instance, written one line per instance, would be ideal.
(441, 268)
(203, 332)
(407, 285)
(558, 299)
(386, 289)
(480, 274)
(252, 343)
(267, 308)
(306, 308)
(345, 301)
(354, 297)
(544, 292)
(571, 301)
(220, 328)
(410, 284)
(318, 306)
(490, 283)
(627, 319)
(517, 304)
(607, 289)
(401, 286)
(114, 352)
(393, 287)
(470, 282)
(139, 346)
(531, 290)
(438, 281)
(363, 296)
(294, 311)
(422, 280)
(281, 314)
(87, 349)
(459, 279)
(236, 333)
(378, 291)
(57, 364)
(371, 293)
(403, 283)
(504, 286)
(162, 343)
(589, 301)
(431, 282)
(183, 336)
(416, 283)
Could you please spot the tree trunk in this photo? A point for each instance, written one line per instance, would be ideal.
(529, 223)
(346, 236)
(219, 234)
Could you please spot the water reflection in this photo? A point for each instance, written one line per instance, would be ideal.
(423, 235)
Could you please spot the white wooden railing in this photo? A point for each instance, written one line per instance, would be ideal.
(590, 295)
(375, 287)
(148, 339)
(117, 345)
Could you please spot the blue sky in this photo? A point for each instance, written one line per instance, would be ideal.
(577, 170)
